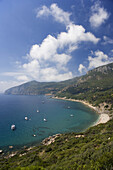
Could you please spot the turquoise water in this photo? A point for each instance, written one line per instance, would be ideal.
(14, 108)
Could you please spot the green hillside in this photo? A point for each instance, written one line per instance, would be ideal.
(91, 150)
(37, 88)
(95, 87)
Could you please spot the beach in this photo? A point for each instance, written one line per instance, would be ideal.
(103, 117)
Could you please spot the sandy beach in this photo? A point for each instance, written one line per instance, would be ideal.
(103, 117)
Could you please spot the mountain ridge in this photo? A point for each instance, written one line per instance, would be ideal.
(96, 81)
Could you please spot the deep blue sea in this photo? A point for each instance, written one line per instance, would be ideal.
(60, 118)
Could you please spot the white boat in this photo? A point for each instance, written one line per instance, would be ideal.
(45, 120)
(38, 111)
(1, 151)
(71, 115)
(13, 127)
(26, 118)
(68, 107)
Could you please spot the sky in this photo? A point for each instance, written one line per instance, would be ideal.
(53, 40)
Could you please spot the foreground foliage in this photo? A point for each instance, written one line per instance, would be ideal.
(93, 150)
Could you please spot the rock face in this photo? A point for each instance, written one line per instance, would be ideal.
(50, 139)
(103, 69)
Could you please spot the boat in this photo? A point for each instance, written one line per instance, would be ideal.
(43, 102)
(26, 118)
(68, 107)
(38, 111)
(13, 127)
(71, 115)
(1, 151)
(45, 120)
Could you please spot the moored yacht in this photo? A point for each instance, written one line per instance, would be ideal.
(13, 127)
(26, 118)
(71, 115)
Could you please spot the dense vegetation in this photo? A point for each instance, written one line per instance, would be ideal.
(93, 150)
(37, 88)
(95, 87)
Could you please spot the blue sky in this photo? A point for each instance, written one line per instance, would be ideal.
(52, 40)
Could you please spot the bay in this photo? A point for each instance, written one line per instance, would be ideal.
(62, 117)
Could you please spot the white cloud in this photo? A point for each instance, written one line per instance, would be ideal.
(49, 60)
(22, 78)
(4, 85)
(56, 52)
(75, 34)
(58, 14)
(99, 59)
(52, 74)
(107, 40)
(82, 68)
(99, 15)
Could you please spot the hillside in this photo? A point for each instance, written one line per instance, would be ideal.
(95, 87)
(90, 150)
(37, 88)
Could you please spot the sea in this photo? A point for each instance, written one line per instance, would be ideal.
(61, 117)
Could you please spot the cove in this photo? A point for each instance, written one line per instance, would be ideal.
(62, 117)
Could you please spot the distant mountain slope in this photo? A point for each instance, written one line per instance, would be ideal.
(36, 88)
(96, 86)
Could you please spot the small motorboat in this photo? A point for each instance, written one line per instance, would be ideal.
(26, 118)
(68, 107)
(1, 151)
(38, 111)
(71, 115)
(13, 127)
(45, 120)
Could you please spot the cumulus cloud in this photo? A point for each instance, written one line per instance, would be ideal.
(58, 14)
(4, 85)
(99, 15)
(99, 59)
(82, 68)
(107, 40)
(16, 75)
(54, 53)
(22, 78)
(49, 60)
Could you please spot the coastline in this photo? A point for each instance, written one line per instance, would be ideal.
(103, 117)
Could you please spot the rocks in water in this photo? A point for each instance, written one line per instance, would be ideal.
(10, 147)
